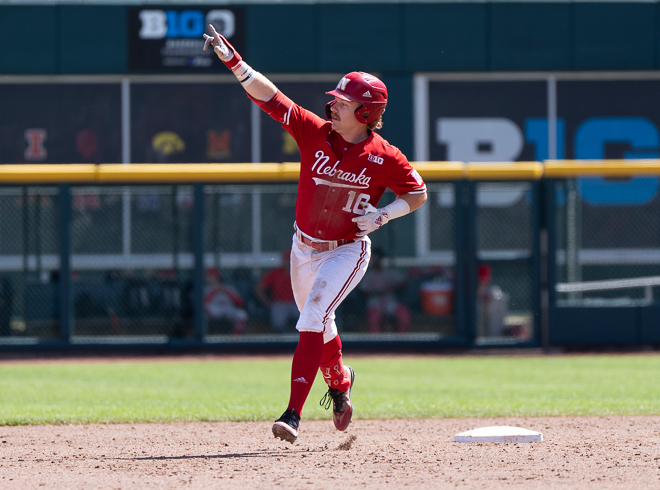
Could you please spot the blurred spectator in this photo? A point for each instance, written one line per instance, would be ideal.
(222, 302)
(274, 291)
(135, 297)
(492, 304)
(169, 292)
(379, 286)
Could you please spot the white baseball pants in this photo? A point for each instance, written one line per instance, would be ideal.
(321, 281)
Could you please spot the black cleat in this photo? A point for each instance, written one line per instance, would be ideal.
(286, 427)
(342, 408)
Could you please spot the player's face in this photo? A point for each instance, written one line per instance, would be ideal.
(343, 115)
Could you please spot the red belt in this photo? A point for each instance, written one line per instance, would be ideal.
(321, 246)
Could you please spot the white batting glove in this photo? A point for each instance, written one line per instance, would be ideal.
(371, 220)
(222, 48)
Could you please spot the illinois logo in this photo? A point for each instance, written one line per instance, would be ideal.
(35, 150)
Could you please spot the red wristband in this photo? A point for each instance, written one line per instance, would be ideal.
(236, 59)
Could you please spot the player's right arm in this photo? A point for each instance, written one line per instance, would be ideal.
(254, 83)
(297, 121)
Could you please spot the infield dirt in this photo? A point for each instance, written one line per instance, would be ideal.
(577, 452)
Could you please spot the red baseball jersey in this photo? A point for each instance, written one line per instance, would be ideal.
(337, 176)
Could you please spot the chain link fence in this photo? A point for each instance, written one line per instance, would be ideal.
(29, 243)
(599, 241)
(504, 303)
(248, 232)
(131, 260)
(132, 263)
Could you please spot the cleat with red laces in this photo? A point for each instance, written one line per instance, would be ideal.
(342, 408)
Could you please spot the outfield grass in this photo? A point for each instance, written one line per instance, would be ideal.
(110, 392)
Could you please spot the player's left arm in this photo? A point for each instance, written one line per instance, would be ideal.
(410, 188)
(414, 201)
(374, 218)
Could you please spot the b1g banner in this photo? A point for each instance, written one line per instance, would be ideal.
(610, 119)
(476, 121)
(170, 38)
(506, 120)
(487, 121)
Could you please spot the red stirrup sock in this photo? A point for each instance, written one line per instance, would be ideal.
(306, 361)
(332, 366)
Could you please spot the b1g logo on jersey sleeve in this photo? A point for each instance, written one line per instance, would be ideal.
(375, 159)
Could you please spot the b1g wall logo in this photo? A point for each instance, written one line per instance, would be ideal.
(501, 140)
(171, 39)
(158, 24)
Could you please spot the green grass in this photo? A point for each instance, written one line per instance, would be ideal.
(111, 392)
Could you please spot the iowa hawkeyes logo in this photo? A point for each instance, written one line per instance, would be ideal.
(167, 143)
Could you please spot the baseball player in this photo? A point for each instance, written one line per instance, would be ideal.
(345, 169)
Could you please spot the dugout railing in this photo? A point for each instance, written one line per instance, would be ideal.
(119, 255)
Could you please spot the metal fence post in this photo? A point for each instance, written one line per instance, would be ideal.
(551, 267)
(539, 261)
(198, 251)
(461, 245)
(472, 234)
(65, 263)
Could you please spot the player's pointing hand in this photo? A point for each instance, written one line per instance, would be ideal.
(221, 47)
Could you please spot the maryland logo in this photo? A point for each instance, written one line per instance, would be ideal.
(218, 144)
(167, 143)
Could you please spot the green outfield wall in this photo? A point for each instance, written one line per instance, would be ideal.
(389, 38)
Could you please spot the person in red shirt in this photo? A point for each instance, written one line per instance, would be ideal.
(222, 301)
(274, 291)
(345, 168)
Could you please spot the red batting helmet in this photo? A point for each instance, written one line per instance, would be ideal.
(366, 89)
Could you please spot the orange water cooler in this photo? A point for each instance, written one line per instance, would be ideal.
(437, 298)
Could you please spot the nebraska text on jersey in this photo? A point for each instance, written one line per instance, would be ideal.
(321, 168)
(337, 177)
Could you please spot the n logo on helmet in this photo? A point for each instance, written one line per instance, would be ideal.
(342, 84)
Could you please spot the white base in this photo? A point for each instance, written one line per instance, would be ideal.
(499, 433)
